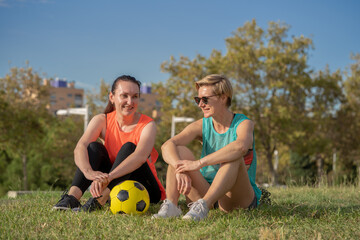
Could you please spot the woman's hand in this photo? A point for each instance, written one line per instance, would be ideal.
(92, 175)
(187, 165)
(183, 183)
(98, 186)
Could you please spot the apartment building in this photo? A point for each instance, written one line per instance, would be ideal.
(63, 94)
(148, 104)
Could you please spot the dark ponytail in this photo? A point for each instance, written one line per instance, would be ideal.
(126, 78)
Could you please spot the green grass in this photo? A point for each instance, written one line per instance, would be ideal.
(295, 213)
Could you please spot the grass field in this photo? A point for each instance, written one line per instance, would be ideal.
(295, 213)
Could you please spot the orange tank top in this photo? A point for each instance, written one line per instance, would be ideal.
(115, 139)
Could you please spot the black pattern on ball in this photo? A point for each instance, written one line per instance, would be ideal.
(140, 206)
(139, 186)
(129, 197)
(123, 195)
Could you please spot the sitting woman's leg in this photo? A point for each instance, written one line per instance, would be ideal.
(199, 186)
(231, 187)
(97, 203)
(99, 161)
(198, 183)
(143, 174)
(127, 149)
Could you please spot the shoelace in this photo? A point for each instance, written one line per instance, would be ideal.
(196, 206)
(90, 203)
(164, 206)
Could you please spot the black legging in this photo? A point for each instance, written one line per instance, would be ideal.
(99, 161)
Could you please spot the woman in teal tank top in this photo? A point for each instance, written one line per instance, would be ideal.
(213, 141)
(225, 173)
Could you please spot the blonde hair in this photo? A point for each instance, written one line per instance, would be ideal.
(221, 85)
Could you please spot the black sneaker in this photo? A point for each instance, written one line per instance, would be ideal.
(91, 205)
(67, 202)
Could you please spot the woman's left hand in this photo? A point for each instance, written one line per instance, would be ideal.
(98, 186)
(187, 165)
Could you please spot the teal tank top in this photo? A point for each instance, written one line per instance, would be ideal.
(213, 141)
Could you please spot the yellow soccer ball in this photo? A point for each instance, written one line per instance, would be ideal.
(129, 197)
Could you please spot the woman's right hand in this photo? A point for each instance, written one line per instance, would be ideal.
(97, 187)
(183, 183)
(92, 175)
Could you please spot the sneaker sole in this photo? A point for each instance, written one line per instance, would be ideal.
(61, 208)
(77, 209)
(191, 218)
(188, 218)
(164, 217)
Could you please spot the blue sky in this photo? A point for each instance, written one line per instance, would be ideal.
(84, 41)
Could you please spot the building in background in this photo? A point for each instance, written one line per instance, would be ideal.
(148, 104)
(63, 94)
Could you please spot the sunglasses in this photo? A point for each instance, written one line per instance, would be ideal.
(203, 99)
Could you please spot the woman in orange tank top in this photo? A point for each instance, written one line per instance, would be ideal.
(128, 151)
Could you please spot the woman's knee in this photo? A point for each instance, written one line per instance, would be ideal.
(128, 147)
(96, 147)
(98, 156)
(126, 150)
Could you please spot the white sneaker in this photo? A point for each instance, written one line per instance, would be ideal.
(198, 210)
(167, 210)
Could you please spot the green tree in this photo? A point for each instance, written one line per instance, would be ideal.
(347, 124)
(98, 98)
(319, 140)
(272, 80)
(24, 99)
(352, 83)
(36, 148)
(176, 94)
(54, 165)
(270, 76)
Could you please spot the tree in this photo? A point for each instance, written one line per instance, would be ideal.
(352, 83)
(54, 165)
(176, 94)
(36, 148)
(23, 115)
(319, 138)
(347, 124)
(97, 99)
(271, 81)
